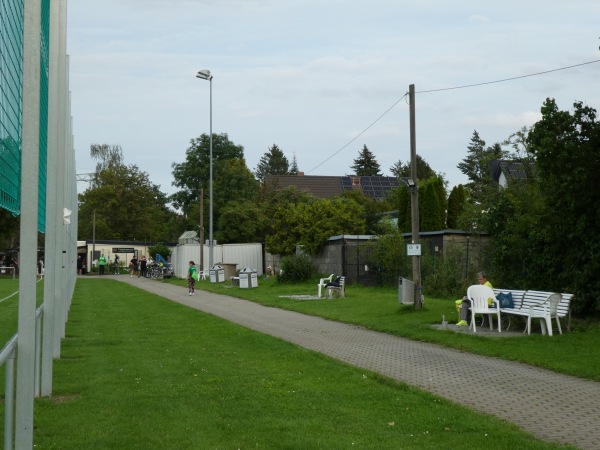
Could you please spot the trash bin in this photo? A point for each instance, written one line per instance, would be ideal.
(217, 274)
(406, 291)
(248, 278)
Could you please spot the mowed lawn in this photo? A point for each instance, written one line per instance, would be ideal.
(139, 371)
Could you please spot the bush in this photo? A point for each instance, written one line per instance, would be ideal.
(387, 257)
(296, 268)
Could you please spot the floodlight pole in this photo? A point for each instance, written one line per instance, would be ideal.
(206, 75)
(414, 198)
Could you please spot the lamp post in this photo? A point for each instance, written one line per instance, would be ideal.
(206, 75)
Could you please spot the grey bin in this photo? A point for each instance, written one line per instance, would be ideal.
(217, 274)
(406, 291)
(248, 278)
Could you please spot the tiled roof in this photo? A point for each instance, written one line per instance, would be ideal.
(330, 186)
(319, 186)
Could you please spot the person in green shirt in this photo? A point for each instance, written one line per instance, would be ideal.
(464, 304)
(101, 264)
(191, 278)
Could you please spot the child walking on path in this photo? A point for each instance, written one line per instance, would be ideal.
(191, 278)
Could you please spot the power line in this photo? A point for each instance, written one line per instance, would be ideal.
(509, 79)
(360, 134)
(449, 89)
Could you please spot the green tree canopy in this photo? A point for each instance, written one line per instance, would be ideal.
(239, 222)
(194, 172)
(476, 166)
(366, 165)
(311, 223)
(566, 148)
(456, 206)
(430, 217)
(424, 170)
(106, 156)
(126, 205)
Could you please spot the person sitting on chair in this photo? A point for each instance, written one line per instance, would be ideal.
(463, 305)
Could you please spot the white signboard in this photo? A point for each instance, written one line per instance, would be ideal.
(413, 249)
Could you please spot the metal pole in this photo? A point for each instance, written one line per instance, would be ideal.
(51, 302)
(414, 198)
(210, 208)
(29, 219)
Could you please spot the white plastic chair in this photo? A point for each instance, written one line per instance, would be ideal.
(479, 295)
(545, 312)
(323, 282)
(203, 274)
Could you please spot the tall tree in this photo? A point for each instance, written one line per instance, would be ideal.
(233, 182)
(400, 198)
(194, 173)
(476, 166)
(430, 218)
(366, 165)
(566, 148)
(124, 205)
(294, 166)
(274, 162)
(106, 156)
(456, 205)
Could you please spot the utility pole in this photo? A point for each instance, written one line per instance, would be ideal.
(414, 198)
(201, 229)
(90, 263)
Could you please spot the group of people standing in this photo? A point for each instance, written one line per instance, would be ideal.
(138, 267)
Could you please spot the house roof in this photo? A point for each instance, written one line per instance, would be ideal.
(514, 170)
(333, 186)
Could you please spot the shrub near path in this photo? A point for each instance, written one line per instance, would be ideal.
(139, 371)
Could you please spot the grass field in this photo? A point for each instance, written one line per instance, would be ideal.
(139, 371)
(573, 353)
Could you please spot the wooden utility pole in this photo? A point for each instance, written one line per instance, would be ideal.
(414, 198)
(201, 229)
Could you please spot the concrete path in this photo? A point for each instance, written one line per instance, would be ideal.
(551, 406)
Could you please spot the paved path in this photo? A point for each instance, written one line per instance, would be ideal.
(551, 406)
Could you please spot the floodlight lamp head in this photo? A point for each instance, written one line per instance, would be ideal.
(409, 182)
(204, 75)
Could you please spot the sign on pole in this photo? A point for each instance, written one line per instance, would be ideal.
(413, 249)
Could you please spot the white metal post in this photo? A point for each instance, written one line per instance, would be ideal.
(29, 221)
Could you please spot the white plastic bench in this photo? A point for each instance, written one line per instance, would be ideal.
(536, 305)
(341, 289)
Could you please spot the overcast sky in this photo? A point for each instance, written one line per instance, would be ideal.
(312, 75)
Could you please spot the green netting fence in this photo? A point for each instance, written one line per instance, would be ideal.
(11, 71)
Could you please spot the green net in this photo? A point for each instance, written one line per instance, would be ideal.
(11, 70)
(45, 66)
(11, 65)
